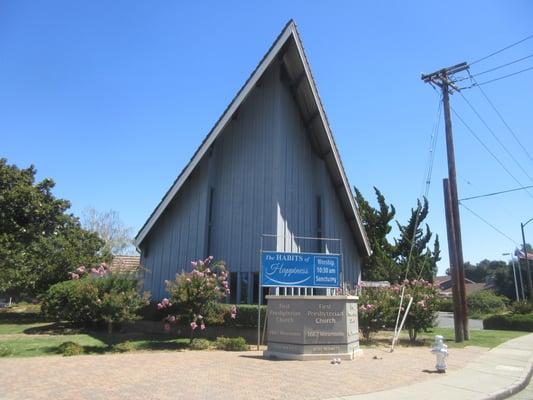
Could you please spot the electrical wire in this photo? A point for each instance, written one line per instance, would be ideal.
(503, 120)
(492, 69)
(497, 79)
(495, 136)
(501, 50)
(496, 193)
(488, 150)
(488, 223)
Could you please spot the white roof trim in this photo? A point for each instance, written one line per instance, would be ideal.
(245, 91)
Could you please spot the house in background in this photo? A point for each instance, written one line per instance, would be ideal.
(445, 285)
(269, 166)
(125, 264)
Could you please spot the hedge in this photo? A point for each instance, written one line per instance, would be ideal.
(511, 322)
(218, 314)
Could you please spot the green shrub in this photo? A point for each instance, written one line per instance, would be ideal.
(522, 307)
(511, 322)
(5, 351)
(485, 302)
(200, 344)
(70, 349)
(123, 347)
(113, 298)
(446, 304)
(220, 314)
(231, 344)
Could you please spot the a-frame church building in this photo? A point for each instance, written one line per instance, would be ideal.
(268, 166)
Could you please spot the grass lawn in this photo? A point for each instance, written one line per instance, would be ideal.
(24, 334)
(481, 338)
(39, 339)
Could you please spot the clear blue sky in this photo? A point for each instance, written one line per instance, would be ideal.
(111, 99)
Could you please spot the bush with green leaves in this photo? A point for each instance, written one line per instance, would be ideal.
(522, 307)
(511, 322)
(446, 304)
(70, 349)
(485, 302)
(200, 344)
(5, 351)
(113, 298)
(123, 347)
(193, 292)
(231, 344)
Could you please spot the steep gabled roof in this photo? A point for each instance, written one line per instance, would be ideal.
(288, 49)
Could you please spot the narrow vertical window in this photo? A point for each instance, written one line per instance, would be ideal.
(319, 232)
(244, 279)
(210, 220)
(233, 287)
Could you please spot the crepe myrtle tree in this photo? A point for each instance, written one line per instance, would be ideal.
(193, 291)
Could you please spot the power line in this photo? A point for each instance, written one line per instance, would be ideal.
(497, 79)
(489, 224)
(493, 69)
(503, 65)
(499, 51)
(504, 121)
(496, 137)
(488, 150)
(496, 193)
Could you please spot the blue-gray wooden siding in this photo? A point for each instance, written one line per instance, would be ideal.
(266, 178)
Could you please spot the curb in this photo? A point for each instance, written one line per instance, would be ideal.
(515, 388)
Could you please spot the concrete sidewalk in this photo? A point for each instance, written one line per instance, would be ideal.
(497, 374)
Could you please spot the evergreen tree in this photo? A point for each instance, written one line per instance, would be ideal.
(380, 266)
(388, 262)
(422, 260)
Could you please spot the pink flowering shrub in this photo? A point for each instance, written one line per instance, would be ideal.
(194, 291)
(375, 310)
(378, 308)
(95, 272)
(423, 312)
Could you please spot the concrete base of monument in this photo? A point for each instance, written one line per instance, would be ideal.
(312, 327)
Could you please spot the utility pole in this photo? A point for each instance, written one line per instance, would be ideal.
(456, 293)
(441, 79)
(526, 260)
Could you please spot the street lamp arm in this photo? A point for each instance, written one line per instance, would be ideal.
(527, 222)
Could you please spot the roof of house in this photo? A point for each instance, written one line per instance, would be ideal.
(469, 288)
(441, 279)
(287, 47)
(125, 263)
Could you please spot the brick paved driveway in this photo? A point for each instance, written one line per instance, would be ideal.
(214, 375)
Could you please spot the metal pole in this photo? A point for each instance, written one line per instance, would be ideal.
(259, 295)
(528, 271)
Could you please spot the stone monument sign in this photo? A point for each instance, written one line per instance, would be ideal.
(312, 327)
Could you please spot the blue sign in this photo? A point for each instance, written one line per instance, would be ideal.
(300, 269)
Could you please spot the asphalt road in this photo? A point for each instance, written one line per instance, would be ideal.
(445, 320)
